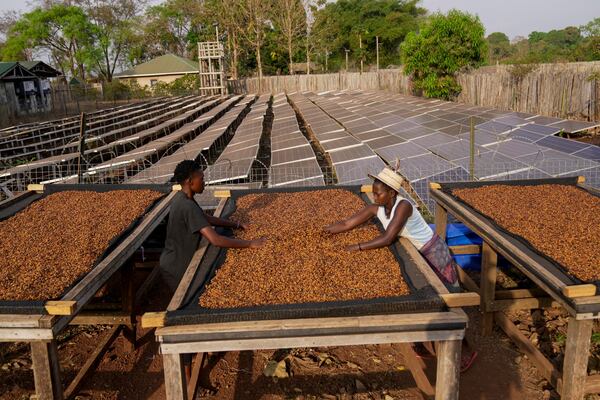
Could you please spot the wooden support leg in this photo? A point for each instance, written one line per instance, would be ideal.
(46, 370)
(416, 369)
(175, 384)
(441, 221)
(127, 300)
(489, 263)
(448, 370)
(577, 349)
(197, 365)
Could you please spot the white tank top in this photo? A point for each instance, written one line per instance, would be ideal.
(416, 229)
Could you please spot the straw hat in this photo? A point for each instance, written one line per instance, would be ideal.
(390, 178)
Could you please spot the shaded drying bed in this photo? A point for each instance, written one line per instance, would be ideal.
(54, 241)
(560, 221)
(300, 263)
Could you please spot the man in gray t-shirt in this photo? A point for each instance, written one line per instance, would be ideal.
(188, 223)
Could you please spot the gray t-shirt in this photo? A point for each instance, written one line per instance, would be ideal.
(186, 219)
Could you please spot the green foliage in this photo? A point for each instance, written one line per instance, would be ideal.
(444, 45)
(116, 90)
(187, 84)
(340, 25)
(498, 46)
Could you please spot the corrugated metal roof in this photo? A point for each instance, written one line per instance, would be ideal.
(166, 64)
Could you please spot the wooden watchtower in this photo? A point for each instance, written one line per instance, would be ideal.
(212, 77)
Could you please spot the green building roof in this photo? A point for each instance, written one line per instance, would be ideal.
(164, 65)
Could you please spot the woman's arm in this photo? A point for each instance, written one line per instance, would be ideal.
(225, 223)
(223, 241)
(401, 215)
(357, 219)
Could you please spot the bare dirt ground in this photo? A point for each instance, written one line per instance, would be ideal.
(354, 372)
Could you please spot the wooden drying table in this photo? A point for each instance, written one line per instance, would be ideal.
(555, 288)
(446, 328)
(41, 329)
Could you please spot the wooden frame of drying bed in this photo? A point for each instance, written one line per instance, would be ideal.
(572, 382)
(313, 332)
(40, 330)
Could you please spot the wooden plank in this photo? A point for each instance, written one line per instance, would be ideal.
(524, 304)
(585, 290)
(520, 293)
(222, 193)
(488, 287)
(441, 221)
(581, 179)
(422, 265)
(195, 375)
(576, 359)
(416, 368)
(434, 186)
(465, 249)
(154, 319)
(193, 266)
(461, 299)
(342, 339)
(25, 334)
(448, 369)
(101, 318)
(366, 189)
(545, 367)
(19, 321)
(174, 377)
(46, 370)
(148, 283)
(313, 325)
(92, 361)
(60, 307)
(35, 187)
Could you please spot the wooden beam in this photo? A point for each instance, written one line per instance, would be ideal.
(176, 188)
(448, 369)
(415, 366)
(195, 375)
(466, 281)
(585, 290)
(60, 307)
(523, 304)
(489, 263)
(92, 361)
(545, 367)
(465, 249)
(461, 299)
(46, 370)
(434, 186)
(520, 293)
(366, 189)
(441, 221)
(35, 187)
(154, 319)
(222, 194)
(581, 179)
(174, 377)
(577, 349)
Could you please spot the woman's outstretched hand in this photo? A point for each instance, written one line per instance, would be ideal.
(331, 228)
(256, 243)
(352, 247)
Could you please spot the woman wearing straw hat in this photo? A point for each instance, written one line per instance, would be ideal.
(400, 218)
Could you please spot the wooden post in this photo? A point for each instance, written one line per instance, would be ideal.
(441, 221)
(46, 370)
(174, 377)
(489, 262)
(377, 50)
(579, 334)
(81, 145)
(472, 149)
(127, 303)
(448, 370)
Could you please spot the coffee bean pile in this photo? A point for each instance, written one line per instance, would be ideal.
(300, 262)
(54, 241)
(560, 221)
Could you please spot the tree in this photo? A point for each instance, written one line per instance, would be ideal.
(289, 17)
(340, 24)
(64, 31)
(444, 45)
(253, 23)
(499, 46)
(113, 20)
(175, 26)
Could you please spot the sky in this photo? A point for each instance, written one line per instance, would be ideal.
(520, 17)
(513, 17)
